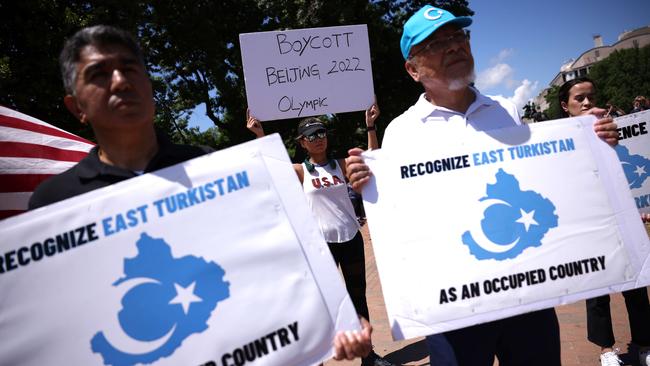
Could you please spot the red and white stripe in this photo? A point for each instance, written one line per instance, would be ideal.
(30, 152)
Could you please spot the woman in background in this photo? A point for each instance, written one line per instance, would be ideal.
(576, 99)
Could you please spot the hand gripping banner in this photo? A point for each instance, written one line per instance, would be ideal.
(216, 261)
(470, 227)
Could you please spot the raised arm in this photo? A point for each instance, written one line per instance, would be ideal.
(254, 125)
(371, 116)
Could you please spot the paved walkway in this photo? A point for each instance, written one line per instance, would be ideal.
(576, 350)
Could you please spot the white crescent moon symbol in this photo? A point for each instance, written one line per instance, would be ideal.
(427, 14)
(116, 336)
(479, 236)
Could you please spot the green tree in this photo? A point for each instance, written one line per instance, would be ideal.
(192, 50)
(619, 79)
(32, 33)
(553, 111)
(622, 76)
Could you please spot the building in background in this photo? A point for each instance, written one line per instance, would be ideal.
(581, 66)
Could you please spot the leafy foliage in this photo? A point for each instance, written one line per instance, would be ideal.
(554, 111)
(622, 76)
(192, 50)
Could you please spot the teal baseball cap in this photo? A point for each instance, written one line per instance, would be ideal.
(424, 22)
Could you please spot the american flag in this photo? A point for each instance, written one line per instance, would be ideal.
(30, 152)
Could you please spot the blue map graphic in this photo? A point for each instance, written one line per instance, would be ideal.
(636, 167)
(513, 220)
(165, 300)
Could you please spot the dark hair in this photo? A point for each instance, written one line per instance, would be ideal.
(96, 35)
(563, 93)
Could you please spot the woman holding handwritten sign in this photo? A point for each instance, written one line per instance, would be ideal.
(324, 182)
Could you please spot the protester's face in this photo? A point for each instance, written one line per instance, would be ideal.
(317, 145)
(581, 99)
(450, 66)
(112, 89)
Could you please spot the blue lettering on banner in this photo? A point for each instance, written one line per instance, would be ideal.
(176, 202)
(541, 148)
(488, 157)
(200, 194)
(123, 221)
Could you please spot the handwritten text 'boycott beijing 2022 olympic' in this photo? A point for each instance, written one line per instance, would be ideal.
(276, 75)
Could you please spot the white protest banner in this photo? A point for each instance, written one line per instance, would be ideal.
(634, 152)
(307, 72)
(474, 227)
(216, 261)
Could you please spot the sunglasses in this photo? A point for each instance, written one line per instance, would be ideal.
(314, 136)
(442, 43)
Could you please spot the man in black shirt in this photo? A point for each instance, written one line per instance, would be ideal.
(108, 87)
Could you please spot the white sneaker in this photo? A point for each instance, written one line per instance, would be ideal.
(610, 358)
(644, 357)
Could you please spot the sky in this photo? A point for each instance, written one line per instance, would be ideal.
(519, 45)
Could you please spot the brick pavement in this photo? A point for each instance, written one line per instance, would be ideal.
(576, 350)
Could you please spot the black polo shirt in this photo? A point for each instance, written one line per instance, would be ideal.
(90, 173)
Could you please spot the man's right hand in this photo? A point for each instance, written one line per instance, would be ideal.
(352, 344)
(254, 125)
(356, 170)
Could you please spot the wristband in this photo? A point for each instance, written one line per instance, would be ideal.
(370, 128)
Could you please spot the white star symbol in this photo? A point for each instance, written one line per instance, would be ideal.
(640, 170)
(185, 296)
(527, 218)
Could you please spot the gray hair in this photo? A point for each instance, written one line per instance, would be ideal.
(101, 35)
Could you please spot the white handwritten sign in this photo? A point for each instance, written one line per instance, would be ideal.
(307, 72)
(216, 261)
(633, 151)
(475, 227)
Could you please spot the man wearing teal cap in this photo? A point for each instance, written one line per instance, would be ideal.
(437, 52)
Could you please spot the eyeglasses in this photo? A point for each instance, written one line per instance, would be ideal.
(314, 136)
(442, 43)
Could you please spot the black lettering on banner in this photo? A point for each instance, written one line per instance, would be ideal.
(346, 65)
(279, 75)
(10, 260)
(286, 104)
(283, 335)
(260, 347)
(448, 295)
(299, 46)
(436, 166)
(634, 130)
(473, 290)
(49, 247)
